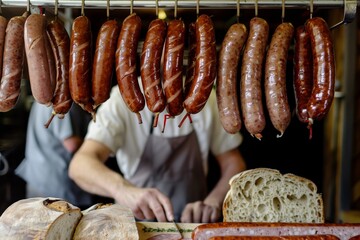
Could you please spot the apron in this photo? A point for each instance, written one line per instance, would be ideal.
(174, 166)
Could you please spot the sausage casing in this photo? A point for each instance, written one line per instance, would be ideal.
(251, 77)
(40, 66)
(303, 81)
(275, 77)
(3, 24)
(60, 43)
(104, 59)
(13, 56)
(80, 63)
(205, 65)
(226, 85)
(125, 61)
(323, 89)
(189, 77)
(150, 66)
(173, 64)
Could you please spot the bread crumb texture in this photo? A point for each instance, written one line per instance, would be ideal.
(266, 195)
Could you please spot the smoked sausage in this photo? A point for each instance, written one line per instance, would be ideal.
(205, 65)
(125, 61)
(38, 55)
(189, 77)
(3, 24)
(173, 64)
(303, 81)
(323, 89)
(104, 59)
(251, 77)
(80, 64)
(275, 77)
(150, 67)
(13, 56)
(60, 43)
(226, 85)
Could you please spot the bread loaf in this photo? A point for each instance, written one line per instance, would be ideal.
(106, 221)
(265, 195)
(39, 218)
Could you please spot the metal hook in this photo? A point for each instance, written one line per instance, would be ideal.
(131, 6)
(349, 13)
(82, 7)
(157, 7)
(238, 10)
(108, 9)
(282, 10)
(56, 9)
(256, 8)
(175, 9)
(197, 7)
(311, 8)
(28, 6)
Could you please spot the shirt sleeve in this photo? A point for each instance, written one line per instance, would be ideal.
(109, 126)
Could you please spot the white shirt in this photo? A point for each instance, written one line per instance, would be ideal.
(118, 128)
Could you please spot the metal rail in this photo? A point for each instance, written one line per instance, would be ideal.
(180, 3)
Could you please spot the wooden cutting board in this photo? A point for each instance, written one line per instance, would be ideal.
(164, 230)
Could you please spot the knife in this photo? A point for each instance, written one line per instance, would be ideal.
(178, 229)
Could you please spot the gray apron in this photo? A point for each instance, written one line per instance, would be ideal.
(174, 166)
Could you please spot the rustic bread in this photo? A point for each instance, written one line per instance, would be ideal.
(265, 195)
(39, 218)
(107, 221)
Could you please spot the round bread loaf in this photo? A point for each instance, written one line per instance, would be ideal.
(39, 218)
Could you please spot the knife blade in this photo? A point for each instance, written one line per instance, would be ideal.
(178, 229)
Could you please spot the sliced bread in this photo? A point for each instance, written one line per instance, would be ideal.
(39, 218)
(265, 195)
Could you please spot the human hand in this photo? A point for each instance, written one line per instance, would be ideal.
(199, 212)
(147, 203)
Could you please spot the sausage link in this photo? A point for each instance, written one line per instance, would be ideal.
(125, 61)
(80, 64)
(303, 81)
(150, 66)
(191, 58)
(226, 89)
(104, 61)
(173, 64)
(13, 58)
(37, 48)
(60, 43)
(205, 66)
(275, 77)
(251, 77)
(323, 89)
(3, 24)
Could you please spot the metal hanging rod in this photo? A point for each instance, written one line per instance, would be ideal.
(180, 3)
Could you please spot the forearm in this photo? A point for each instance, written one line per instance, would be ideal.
(230, 163)
(94, 176)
